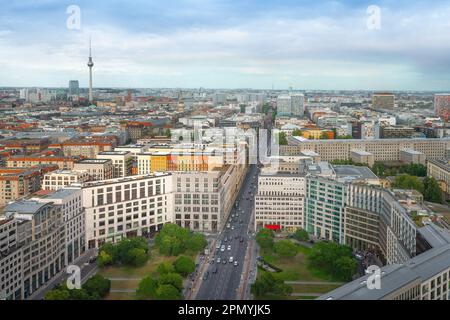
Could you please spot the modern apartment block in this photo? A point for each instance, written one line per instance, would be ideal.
(98, 169)
(16, 183)
(64, 163)
(62, 178)
(73, 219)
(440, 170)
(324, 208)
(36, 247)
(382, 150)
(122, 162)
(203, 200)
(126, 207)
(280, 200)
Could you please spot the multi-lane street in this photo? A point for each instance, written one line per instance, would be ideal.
(222, 280)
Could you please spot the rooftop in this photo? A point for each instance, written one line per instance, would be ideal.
(23, 207)
(435, 235)
(394, 277)
(354, 172)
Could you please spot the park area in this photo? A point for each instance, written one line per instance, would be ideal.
(297, 269)
(125, 279)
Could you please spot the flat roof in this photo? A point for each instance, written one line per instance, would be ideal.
(93, 161)
(24, 207)
(354, 171)
(394, 277)
(435, 235)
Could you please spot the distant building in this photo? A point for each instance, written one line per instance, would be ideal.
(383, 101)
(62, 178)
(98, 169)
(440, 170)
(442, 106)
(74, 88)
(291, 105)
(396, 132)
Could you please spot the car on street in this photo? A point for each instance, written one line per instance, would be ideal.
(232, 228)
(229, 248)
(218, 260)
(218, 245)
(224, 261)
(222, 248)
(242, 240)
(231, 260)
(228, 226)
(236, 263)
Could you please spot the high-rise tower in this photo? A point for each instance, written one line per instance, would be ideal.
(90, 65)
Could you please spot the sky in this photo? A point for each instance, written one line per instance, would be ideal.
(304, 44)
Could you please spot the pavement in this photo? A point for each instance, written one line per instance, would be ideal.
(231, 282)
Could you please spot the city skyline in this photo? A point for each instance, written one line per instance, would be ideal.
(215, 44)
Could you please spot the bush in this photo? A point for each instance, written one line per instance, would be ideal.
(184, 265)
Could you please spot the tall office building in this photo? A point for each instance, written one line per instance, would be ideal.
(298, 105)
(284, 105)
(74, 88)
(442, 106)
(291, 105)
(383, 100)
(90, 65)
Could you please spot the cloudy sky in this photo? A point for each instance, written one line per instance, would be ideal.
(306, 44)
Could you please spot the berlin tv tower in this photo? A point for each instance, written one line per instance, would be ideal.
(90, 65)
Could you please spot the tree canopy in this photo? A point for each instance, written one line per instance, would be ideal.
(173, 240)
(265, 238)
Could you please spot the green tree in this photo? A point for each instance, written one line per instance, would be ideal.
(147, 288)
(301, 235)
(286, 248)
(104, 259)
(326, 257)
(58, 294)
(406, 181)
(282, 139)
(196, 242)
(173, 279)
(267, 284)
(432, 190)
(345, 268)
(167, 292)
(379, 169)
(165, 267)
(184, 265)
(97, 286)
(265, 238)
(297, 133)
(138, 257)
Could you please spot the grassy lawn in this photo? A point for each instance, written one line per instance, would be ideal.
(133, 273)
(297, 269)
